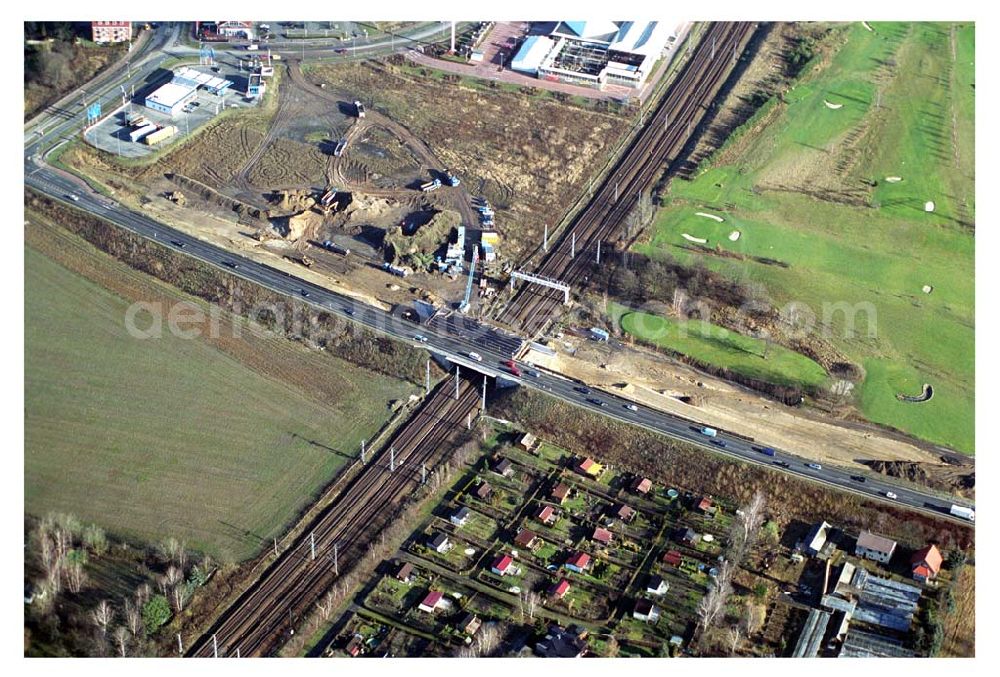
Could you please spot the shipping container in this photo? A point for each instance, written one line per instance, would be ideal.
(160, 135)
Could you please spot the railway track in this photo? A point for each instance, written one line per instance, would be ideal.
(664, 137)
(267, 614)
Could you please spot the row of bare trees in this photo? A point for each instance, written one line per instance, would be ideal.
(711, 610)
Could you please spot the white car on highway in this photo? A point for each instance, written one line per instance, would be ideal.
(476, 356)
(891, 495)
(815, 466)
(631, 407)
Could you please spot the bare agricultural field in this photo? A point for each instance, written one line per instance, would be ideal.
(529, 157)
(216, 441)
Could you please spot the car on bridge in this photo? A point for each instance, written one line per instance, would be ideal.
(476, 356)
(420, 337)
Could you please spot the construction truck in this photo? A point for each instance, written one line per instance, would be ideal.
(331, 246)
(360, 108)
(430, 185)
(137, 134)
(395, 270)
(339, 150)
(328, 201)
(159, 135)
(452, 179)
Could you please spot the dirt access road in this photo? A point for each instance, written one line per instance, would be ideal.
(660, 382)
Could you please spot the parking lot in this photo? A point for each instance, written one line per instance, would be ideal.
(112, 133)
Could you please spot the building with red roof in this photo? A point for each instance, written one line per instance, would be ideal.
(431, 601)
(547, 515)
(559, 590)
(602, 535)
(501, 565)
(926, 563)
(672, 557)
(559, 492)
(578, 561)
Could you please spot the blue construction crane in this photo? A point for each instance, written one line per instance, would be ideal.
(464, 308)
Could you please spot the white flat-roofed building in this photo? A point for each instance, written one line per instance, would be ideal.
(171, 97)
(598, 53)
(532, 53)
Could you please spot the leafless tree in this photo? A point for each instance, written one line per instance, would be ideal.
(713, 604)
(174, 575)
(753, 619)
(487, 639)
(133, 617)
(95, 539)
(121, 636)
(102, 616)
(51, 562)
(326, 603)
(76, 575)
(733, 638)
(640, 215)
(746, 527)
(528, 601)
(142, 594)
(179, 596)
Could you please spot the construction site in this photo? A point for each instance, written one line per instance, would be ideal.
(416, 217)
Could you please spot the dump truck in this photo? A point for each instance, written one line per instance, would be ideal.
(963, 512)
(159, 135)
(360, 108)
(430, 185)
(339, 150)
(137, 134)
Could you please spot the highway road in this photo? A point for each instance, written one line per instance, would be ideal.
(449, 340)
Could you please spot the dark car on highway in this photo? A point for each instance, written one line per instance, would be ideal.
(231, 264)
(178, 244)
(783, 464)
(767, 451)
(582, 389)
(859, 478)
(594, 400)
(717, 442)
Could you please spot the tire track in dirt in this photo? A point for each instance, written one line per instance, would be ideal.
(428, 160)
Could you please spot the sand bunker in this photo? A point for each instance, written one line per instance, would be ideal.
(692, 238)
(734, 236)
(869, 28)
(929, 206)
(833, 106)
(894, 179)
(710, 216)
(927, 289)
